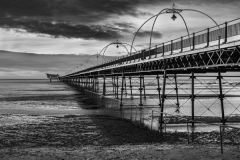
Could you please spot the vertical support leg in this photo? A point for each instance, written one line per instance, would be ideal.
(93, 84)
(176, 88)
(89, 83)
(192, 97)
(82, 83)
(113, 84)
(117, 87)
(122, 89)
(221, 96)
(130, 80)
(140, 90)
(163, 99)
(96, 85)
(79, 85)
(125, 87)
(144, 90)
(104, 86)
(159, 91)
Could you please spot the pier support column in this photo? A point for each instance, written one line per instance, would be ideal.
(192, 97)
(117, 88)
(144, 90)
(159, 91)
(104, 86)
(122, 89)
(96, 85)
(93, 84)
(125, 87)
(221, 97)
(81, 83)
(130, 81)
(176, 89)
(140, 90)
(113, 84)
(163, 99)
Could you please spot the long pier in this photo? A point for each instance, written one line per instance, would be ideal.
(200, 69)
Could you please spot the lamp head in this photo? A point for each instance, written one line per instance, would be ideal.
(174, 17)
(117, 44)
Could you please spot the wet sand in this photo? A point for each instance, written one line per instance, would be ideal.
(33, 126)
(103, 137)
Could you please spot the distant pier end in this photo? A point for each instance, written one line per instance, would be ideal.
(52, 76)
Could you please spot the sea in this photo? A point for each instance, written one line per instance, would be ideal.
(23, 101)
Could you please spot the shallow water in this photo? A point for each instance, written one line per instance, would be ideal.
(25, 100)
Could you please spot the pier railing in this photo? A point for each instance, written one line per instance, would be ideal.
(216, 35)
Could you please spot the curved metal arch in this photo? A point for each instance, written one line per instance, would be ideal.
(204, 14)
(130, 46)
(120, 43)
(87, 60)
(82, 65)
(157, 15)
(141, 27)
(97, 57)
(150, 43)
(167, 9)
(183, 21)
(186, 28)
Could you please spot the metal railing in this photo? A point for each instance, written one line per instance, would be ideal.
(203, 38)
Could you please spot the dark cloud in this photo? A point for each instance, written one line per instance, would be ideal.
(62, 29)
(125, 25)
(75, 18)
(68, 18)
(84, 10)
(155, 34)
(121, 27)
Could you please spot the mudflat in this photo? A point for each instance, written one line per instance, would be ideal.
(104, 137)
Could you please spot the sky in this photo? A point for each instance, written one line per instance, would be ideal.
(54, 36)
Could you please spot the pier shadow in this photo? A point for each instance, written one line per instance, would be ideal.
(77, 131)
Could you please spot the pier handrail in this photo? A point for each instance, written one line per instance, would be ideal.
(198, 38)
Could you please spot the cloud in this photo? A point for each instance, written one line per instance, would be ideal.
(155, 34)
(69, 18)
(14, 62)
(79, 18)
(84, 10)
(62, 29)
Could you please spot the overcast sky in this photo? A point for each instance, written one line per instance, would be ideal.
(55, 31)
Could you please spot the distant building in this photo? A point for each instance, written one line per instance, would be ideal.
(52, 76)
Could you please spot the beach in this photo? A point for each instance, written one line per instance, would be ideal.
(45, 121)
(102, 137)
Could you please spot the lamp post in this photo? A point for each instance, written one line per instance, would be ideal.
(98, 55)
(172, 11)
(87, 60)
(117, 43)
